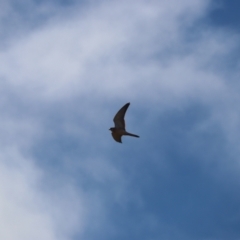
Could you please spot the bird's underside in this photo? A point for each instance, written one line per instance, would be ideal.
(118, 137)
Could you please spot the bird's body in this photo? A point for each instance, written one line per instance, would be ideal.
(119, 130)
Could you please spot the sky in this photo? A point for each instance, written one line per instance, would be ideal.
(67, 67)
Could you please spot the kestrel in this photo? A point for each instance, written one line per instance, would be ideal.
(119, 130)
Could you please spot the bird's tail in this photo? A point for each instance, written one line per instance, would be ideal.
(133, 135)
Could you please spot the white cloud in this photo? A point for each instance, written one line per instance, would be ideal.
(91, 51)
(27, 212)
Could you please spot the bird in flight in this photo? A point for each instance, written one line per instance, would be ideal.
(119, 130)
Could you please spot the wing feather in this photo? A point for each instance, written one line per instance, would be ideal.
(119, 117)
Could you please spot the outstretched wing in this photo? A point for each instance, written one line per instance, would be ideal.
(119, 117)
(117, 137)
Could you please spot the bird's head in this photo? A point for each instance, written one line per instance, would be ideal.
(111, 129)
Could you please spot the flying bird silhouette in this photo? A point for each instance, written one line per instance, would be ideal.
(119, 130)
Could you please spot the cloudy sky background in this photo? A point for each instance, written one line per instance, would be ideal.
(66, 67)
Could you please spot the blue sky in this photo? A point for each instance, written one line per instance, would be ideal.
(225, 14)
(67, 68)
